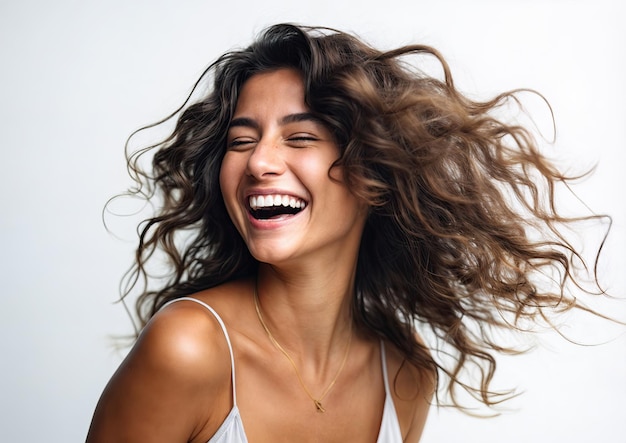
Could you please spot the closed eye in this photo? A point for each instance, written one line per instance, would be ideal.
(240, 143)
(300, 139)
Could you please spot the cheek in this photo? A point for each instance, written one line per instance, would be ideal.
(345, 194)
(229, 177)
(316, 166)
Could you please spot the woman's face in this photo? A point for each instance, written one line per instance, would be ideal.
(275, 177)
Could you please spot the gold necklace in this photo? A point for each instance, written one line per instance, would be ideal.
(317, 402)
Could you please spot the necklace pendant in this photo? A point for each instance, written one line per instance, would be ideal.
(318, 406)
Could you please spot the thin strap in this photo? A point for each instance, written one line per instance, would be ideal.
(223, 326)
(383, 359)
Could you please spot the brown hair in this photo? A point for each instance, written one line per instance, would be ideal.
(462, 235)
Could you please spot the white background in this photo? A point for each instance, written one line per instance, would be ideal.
(77, 77)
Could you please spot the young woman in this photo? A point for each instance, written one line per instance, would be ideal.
(321, 201)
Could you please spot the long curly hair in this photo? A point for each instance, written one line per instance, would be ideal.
(463, 235)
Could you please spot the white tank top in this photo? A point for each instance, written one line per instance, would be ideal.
(232, 431)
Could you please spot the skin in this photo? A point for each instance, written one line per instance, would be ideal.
(175, 385)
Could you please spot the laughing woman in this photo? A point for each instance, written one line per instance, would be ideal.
(336, 200)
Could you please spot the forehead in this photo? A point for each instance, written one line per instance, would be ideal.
(277, 90)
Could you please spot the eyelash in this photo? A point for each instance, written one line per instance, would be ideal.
(306, 138)
(236, 143)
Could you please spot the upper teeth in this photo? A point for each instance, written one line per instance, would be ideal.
(266, 201)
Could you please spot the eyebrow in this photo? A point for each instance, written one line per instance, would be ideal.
(243, 121)
(300, 117)
(291, 118)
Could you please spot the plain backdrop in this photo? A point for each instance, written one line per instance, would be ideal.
(77, 77)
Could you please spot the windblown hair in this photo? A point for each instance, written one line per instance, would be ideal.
(463, 230)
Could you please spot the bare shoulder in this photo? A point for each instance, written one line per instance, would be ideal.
(412, 389)
(175, 383)
(185, 338)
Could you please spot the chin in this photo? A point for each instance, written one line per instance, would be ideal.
(271, 255)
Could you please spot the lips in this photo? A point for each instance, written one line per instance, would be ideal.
(271, 206)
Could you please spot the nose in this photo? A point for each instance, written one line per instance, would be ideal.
(265, 159)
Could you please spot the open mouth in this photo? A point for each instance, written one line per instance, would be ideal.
(267, 207)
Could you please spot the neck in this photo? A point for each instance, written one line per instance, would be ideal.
(308, 313)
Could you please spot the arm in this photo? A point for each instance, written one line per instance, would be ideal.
(174, 386)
